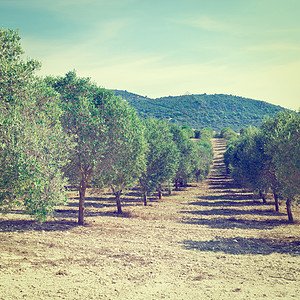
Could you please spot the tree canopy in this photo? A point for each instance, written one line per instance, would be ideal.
(162, 156)
(269, 158)
(33, 146)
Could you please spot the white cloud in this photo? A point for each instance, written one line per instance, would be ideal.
(271, 47)
(112, 28)
(206, 23)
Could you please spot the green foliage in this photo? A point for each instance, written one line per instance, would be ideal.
(283, 143)
(269, 158)
(200, 111)
(33, 147)
(205, 156)
(188, 160)
(162, 156)
(189, 132)
(227, 134)
(204, 134)
(247, 160)
(84, 121)
(129, 146)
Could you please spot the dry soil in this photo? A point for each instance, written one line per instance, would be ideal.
(211, 240)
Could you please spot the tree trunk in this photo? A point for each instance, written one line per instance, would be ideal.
(263, 197)
(176, 185)
(170, 188)
(276, 201)
(82, 190)
(145, 198)
(289, 210)
(118, 200)
(159, 192)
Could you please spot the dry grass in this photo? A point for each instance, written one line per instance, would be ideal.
(211, 240)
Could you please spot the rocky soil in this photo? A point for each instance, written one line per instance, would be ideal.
(211, 240)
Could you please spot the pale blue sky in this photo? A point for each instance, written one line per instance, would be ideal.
(161, 47)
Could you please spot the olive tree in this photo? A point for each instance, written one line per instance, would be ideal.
(248, 162)
(129, 149)
(162, 157)
(227, 133)
(205, 155)
(33, 146)
(188, 157)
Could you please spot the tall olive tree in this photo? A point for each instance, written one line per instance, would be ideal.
(33, 147)
(129, 149)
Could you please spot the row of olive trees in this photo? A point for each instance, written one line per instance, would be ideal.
(268, 159)
(68, 129)
(60, 130)
(113, 147)
(173, 158)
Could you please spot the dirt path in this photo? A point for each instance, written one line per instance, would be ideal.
(209, 241)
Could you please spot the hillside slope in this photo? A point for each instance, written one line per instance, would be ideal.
(198, 111)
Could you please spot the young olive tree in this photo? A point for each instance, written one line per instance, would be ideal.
(33, 146)
(162, 157)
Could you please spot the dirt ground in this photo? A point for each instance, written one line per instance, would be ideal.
(210, 240)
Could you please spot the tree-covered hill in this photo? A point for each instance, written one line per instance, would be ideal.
(199, 111)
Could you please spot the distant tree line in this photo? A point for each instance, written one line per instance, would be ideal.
(66, 130)
(267, 159)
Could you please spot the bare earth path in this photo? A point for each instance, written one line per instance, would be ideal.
(211, 240)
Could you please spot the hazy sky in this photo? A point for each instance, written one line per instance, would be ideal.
(156, 48)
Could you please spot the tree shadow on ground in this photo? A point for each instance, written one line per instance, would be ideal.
(230, 196)
(128, 199)
(96, 202)
(233, 203)
(232, 223)
(65, 217)
(107, 214)
(32, 225)
(242, 246)
(223, 185)
(234, 212)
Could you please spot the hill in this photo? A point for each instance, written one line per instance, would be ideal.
(199, 111)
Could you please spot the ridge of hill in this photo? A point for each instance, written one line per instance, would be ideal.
(201, 110)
